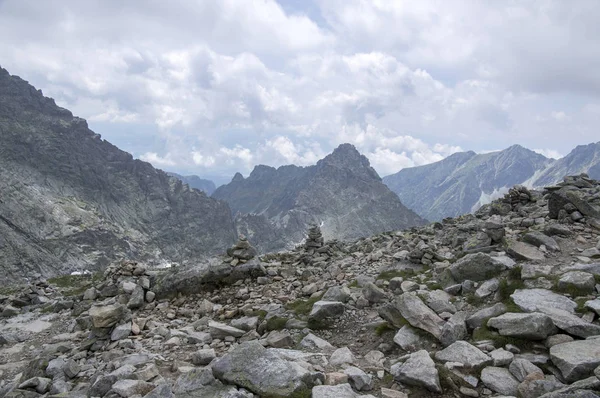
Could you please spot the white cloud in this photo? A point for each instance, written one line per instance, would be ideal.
(549, 153)
(157, 160)
(225, 85)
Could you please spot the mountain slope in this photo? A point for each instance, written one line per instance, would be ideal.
(582, 159)
(206, 186)
(342, 193)
(464, 181)
(70, 200)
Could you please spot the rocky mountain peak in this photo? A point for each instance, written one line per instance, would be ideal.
(237, 177)
(347, 157)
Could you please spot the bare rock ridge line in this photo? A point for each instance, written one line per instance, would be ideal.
(502, 302)
(464, 181)
(342, 193)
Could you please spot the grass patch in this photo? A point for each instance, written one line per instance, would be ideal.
(354, 283)
(484, 333)
(389, 275)
(74, 285)
(581, 304)
(572, 290)
(302, 307)
(474, 300)
(276, 323)
(383, 328)
(261, 314)
(511, 283)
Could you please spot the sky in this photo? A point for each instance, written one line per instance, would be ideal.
(213, 87)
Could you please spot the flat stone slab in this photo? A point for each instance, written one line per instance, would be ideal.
(532, 326)
(419, 315)
(533, 300)
(524, 251)
(418, 370)
(465, 353)
(576, 359)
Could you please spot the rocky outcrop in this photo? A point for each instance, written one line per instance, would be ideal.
(201, 184)
(72, 201)
(342, 193)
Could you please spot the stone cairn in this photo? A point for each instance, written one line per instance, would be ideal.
(241, 252)
(575, 200)
(125, 287)
(315, 239)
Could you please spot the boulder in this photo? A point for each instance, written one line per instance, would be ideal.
(418, 370)
(499, 380)
(577, 359)
(581, 282)
(476, 267)
(524, 251)
(532, 300)
(263, 372)
(465, 353)
(106, 316)
(419, 315)
(532, 326)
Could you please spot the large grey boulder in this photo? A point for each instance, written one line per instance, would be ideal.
(532, 300)
(106, 316)
(576, 359)
(220, 330)
(532, 326)
(465, 353)
(524, 251)
(322, 312)
(455, 329)
(411, 339)
(198, 278)
(581, 282)
(480, 317)
(499, 380)
(571, 323)
(538, 238)
(476, 267)
(263, 371)
(418, 370)
(419, 315)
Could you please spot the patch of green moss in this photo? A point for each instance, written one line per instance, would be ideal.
(511, 283)
(581, 304)
(354, 283)
(383, 328)
(388, 275)
(303, 393)
(261, 314)
(484, 333)
(316, 324)
(572, 290)
(276, 323)
(302, 307)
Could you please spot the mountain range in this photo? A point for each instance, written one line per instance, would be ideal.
(464, 181)
(342, 193)
(71, 201)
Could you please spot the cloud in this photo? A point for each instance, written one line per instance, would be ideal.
(549, 153)
(215, 87)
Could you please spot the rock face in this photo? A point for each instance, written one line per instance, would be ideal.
(342, 193)
(72, 201)
(206, 186)
(464, 181)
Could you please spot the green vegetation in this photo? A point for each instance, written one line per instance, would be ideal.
(383, 328)
(354, 283)
(74, 285)
(388, 275)
(511, 283)
(484, 333)
(302, 307)
(276, 323)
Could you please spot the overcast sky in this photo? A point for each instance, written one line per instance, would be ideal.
(211, 87)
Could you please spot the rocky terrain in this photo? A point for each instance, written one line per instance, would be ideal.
(503, 302)
(342, 193)
(70, 201)
(201, 184)
(465, 181)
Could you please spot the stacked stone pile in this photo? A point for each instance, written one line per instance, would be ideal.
(241, 252)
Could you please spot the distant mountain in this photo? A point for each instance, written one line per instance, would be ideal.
(71, 201)
(464, 181)
(342, 193)
(206, 186)
(582, 159)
